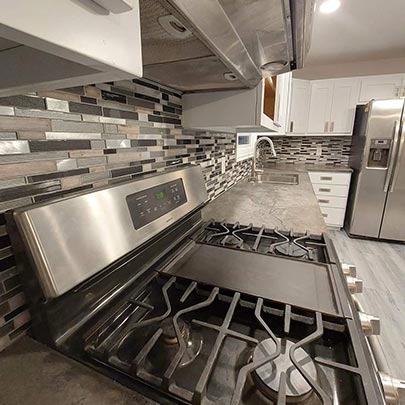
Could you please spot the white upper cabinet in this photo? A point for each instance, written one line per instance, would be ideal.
(53, 44)
(333, 105)
(320, 106)
(299, 106)
(381, 87)
(345, 95)
(260, 109)
(283, 94)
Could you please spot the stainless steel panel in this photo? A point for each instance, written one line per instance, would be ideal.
(367, 204)
(393, 224)
(74, 238)
(243, 35)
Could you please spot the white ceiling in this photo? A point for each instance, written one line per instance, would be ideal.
(359, 31)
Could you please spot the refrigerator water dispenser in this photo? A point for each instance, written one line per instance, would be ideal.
(379, 153)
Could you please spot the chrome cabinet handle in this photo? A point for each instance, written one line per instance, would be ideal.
(391, 157)
(291, 126)
(324, 201)
(328, 178)
(325, 127)
(398, 159)
(325, 190)
(332, 126)
(325, 215)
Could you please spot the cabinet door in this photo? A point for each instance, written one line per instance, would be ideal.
(299, 106)
(283, 91)
(59, 40)
(320, 106)
(380, 87)
(345, 96)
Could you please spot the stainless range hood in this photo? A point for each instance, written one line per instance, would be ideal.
(201, 45)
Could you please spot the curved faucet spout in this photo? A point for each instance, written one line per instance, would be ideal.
(255, 170)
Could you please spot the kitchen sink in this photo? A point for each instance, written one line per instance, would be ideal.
(280, 178)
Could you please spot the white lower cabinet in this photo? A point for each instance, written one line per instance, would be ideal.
(331, 190)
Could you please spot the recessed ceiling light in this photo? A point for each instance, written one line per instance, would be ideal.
(329, 6)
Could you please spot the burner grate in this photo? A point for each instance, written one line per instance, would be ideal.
(266, 241)
(182, 300)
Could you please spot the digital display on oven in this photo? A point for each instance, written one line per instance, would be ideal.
(152, 203)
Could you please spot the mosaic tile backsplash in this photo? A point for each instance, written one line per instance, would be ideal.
(310, 150)
(60, 142)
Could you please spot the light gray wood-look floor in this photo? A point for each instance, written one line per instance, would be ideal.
(381, 266)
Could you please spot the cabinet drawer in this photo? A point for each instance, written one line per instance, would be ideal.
(332, 201)
(333, 216)
(330, 178)
(330, 189)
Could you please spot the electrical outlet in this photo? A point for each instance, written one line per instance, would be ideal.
(318, 150)
(223, 165)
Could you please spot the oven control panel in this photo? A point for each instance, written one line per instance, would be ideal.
(150, 204)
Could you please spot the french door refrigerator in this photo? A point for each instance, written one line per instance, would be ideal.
(376, 205)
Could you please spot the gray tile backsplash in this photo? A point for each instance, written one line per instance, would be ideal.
(328, 150)
(65, 141)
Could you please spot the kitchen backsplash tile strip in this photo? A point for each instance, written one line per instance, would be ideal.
(311, 150)
(59, 142)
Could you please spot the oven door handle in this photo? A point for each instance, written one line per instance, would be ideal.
(394, 388)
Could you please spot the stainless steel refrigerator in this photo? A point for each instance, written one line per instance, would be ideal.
(376, 205)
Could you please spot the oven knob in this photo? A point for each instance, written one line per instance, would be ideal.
(370, 324)
(348, 269)
(394, 389)
(355, 284)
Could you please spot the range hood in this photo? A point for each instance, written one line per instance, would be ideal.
(202, 45)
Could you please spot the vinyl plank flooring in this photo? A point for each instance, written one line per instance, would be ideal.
(381, 266)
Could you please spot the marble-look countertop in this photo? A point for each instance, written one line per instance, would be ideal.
(32, 373)
(287, 207)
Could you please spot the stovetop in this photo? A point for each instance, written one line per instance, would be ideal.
(197, 343)
(265, 240)
(191, 313)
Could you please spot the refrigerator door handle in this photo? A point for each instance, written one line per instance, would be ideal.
(398, 159)
(391, 159)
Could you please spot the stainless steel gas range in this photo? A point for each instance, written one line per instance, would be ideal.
(128, 280)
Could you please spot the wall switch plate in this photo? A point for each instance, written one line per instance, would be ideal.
(318, 150)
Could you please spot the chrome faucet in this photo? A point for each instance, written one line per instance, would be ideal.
(256, 173)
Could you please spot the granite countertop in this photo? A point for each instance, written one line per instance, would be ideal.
(287, 207)
(31, 373)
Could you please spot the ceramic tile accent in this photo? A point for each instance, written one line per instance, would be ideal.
(312, 150)
(65, 141)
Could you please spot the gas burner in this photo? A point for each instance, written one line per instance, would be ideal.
(290, 249)
(268, 378)
(228, 235)
(170, 341)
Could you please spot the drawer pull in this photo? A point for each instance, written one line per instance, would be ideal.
(325, 190)
(325, 215)
(324, 201)
(328, 178)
